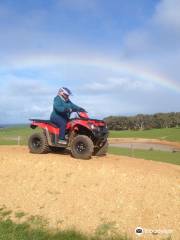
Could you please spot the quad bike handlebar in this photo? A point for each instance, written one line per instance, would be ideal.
(75, 110)
(83, 115)
(80, 114)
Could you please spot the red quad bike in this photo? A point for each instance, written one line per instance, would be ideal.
(85, 137)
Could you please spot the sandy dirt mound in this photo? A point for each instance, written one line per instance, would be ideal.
(123, 191)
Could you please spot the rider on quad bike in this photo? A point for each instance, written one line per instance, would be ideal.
(62, 108)
(82, 135)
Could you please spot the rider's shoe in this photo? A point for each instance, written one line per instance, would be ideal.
(61, 141)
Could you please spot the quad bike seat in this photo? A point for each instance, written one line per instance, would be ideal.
(44, 121)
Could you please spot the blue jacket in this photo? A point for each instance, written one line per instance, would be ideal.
(60, 107)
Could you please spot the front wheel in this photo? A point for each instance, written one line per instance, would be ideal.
(82, 147)
(37, 143)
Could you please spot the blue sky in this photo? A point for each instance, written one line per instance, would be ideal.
(118, 57)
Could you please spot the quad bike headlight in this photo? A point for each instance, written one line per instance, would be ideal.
(92, 126)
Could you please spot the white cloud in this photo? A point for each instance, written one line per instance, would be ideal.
(28, 87)
(23, 98)
(167, 14)
(156, 45)
(116, 85)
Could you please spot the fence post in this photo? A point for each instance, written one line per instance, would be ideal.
(18, 140)
(132, 150)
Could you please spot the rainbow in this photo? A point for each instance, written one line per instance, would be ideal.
(126, 68)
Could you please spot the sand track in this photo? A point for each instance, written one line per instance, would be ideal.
(68, 192)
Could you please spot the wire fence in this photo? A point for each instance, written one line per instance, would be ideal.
(23, 140)
(13, 140)
(146, 146)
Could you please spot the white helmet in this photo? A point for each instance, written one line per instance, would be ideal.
(65, 91)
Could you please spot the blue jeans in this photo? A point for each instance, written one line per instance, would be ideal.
(61, 123)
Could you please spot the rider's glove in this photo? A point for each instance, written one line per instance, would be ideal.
(73, 110)
(67, 110)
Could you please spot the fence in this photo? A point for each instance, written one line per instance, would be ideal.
(14, 140)
(146, 146)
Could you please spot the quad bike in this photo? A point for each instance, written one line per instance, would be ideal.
(85, 137)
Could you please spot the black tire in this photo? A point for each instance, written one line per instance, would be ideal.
(38, 143)
(82, 147)
(101, 151)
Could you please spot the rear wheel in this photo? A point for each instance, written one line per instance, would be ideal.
(101, 151)
(82, 147)
(37, 143)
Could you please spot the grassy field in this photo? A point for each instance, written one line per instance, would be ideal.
(160, 156)
(9, 136)
(25, 227)
(13, 231)
(36, 228)
(169, 134)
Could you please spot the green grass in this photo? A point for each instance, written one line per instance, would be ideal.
(160, 156)
(13, 231)
(19, 214)
(169, 134)
(8, 136)
(36, 228)
(10, 230)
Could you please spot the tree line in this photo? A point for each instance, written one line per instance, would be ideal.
(144, 121)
